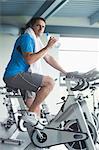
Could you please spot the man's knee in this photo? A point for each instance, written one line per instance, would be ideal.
(48, 82)
(51, 82)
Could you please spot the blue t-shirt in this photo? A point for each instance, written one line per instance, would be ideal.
(17, 63)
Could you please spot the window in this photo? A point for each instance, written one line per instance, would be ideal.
(79, 54)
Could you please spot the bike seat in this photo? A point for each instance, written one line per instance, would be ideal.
(10, 89)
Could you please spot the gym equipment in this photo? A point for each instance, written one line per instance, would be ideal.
(73, 125)
(95, 113)
(13, 124)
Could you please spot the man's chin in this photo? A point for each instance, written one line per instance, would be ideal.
(40, 34)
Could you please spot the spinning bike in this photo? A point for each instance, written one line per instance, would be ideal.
(93, 88)
(12, 125)
(73, 126)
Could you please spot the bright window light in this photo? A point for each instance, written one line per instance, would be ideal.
(79, 54)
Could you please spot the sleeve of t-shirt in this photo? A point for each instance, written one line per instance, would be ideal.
(27, 43)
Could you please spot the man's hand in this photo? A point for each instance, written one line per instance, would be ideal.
(51, 42)
(74, 74)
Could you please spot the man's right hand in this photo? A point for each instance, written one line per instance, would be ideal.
(74, 74)
(51, 42)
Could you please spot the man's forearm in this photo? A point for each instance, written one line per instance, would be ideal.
(52, 62)
(33, 57)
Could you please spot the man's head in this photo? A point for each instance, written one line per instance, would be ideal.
(38, 25)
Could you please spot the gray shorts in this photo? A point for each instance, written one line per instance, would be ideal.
(25, 81)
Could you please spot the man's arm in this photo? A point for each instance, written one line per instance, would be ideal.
(33, 57)
(52, 62)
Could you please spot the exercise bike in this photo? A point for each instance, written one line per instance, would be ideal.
(12, 125)
(73, 126)
(93, 88)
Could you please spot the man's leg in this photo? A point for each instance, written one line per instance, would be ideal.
(42, 85)
(46, 87)
(42, 93)
(28, 102)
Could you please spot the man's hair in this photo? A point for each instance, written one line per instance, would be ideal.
(31, 23)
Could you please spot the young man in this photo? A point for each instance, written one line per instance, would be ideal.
(25, 54)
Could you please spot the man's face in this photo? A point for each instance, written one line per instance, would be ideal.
(39, 27)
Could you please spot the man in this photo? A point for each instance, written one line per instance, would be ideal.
(23, 56)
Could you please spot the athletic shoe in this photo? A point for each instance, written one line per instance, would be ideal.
(31, 117)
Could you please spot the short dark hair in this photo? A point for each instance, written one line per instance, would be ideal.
(31, 23)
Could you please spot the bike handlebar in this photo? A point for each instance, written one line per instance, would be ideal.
(79, 85)
(82, 79)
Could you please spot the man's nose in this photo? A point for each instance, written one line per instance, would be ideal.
(41, 27)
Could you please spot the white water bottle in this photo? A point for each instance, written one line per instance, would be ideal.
(57, 44)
